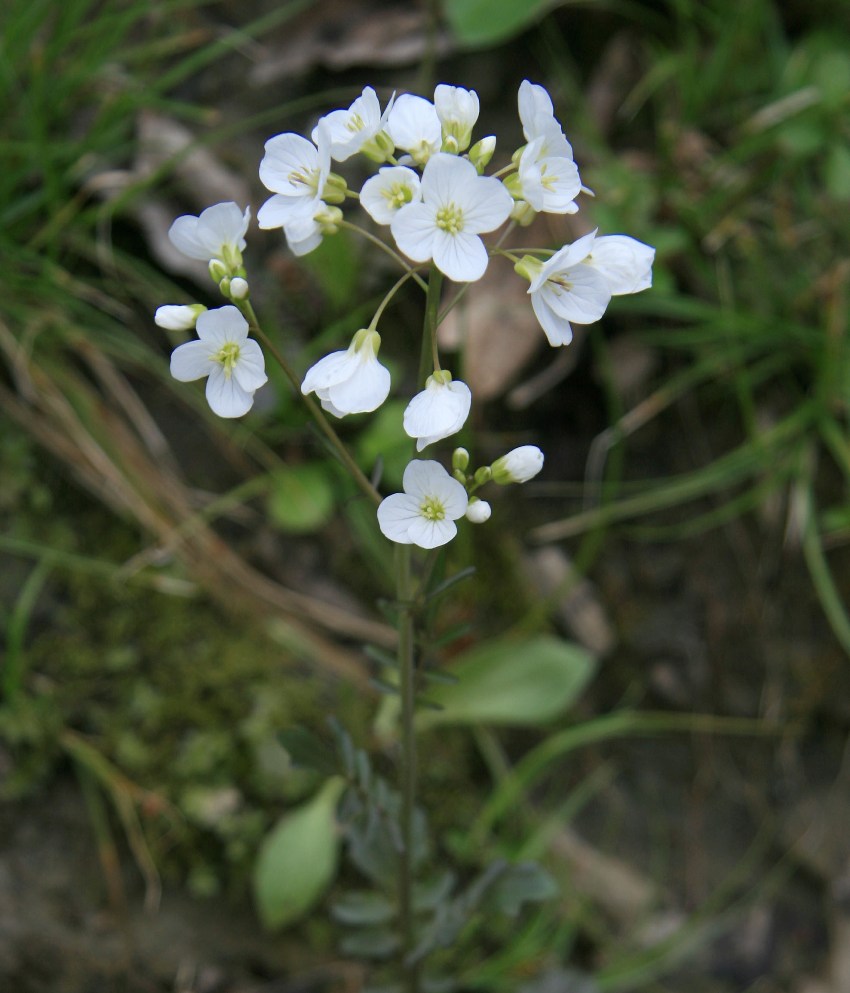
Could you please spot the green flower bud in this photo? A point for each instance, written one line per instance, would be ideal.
(460, 459)
(481, 153)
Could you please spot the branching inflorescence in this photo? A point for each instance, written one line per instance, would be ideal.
(429, 189)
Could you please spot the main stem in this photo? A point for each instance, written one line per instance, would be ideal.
(407, 678)
(407, 771)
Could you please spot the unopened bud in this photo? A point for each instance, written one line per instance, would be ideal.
(528, 267)
(239, 288)
(478, 511)
(482, 475)
(177, 317)
(518, 466)
(218, 270)
(523, 213)
(460, 459)
(335, 189)
(481, 153)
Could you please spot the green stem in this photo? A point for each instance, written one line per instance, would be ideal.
(430, 357)
(407, 772)
(386, 249)
(316, 411)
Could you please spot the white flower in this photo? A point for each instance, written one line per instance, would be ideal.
(457, 110)
(218, 233)
(538, 121)
(439, 411)
(296, 171)
(351, 381)
(518, 466)
(478, 511)
(239, 288)
(349, 130)
(224, 352)
(414, 127)
(178, 317)
(386, 193)
(625, 262)
(564, 290)
(425, 513)
(548, 183)
(457, 205)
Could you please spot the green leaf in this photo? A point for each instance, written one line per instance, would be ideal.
(485, 22)
(297, 859)
(523, 883)
(372, 943)
(512, 682)
(837, 172)
(363, 907)
(302, 497)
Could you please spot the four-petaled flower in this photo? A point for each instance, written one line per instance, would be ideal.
(218, 233)
(563, 290)
(351, 381)
(225, 354)
(386, 193)
(350, 130)
(439, 411)
(415, 128)
(426, 512)
(296, 171)
(457, 206)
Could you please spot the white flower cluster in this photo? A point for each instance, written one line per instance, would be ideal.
(429, 190)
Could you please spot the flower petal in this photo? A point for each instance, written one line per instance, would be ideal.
(249, 370)
(192, 361)
(288, 156)
(413, 228)
(431, 534)
(486, 204)
(557, 329)
(462, 257)
(395, 515)
(225, 396)
(328, 371)
(364, 391)
(222, 325)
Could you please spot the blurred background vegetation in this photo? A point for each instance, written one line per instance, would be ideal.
(175, 589)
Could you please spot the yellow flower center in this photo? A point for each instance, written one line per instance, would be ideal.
(432, 509)
(450, 218)
(398, 195)
(310, 179)
(228, 356)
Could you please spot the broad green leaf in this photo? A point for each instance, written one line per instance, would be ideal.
(485, 22)
(297, 860)
(512, 682)
(302, 497)
(363, 907)
(526, 882)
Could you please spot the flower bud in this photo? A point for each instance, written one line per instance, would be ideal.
(523, 213)
(239, 288)
(460, 459)
(482, 475)
(335, 189)
(518, 466)
(218, 270)
(481, 153)
(380, 148)
(175, 317)
(528, 267)
(329, 220)
(478, 511)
